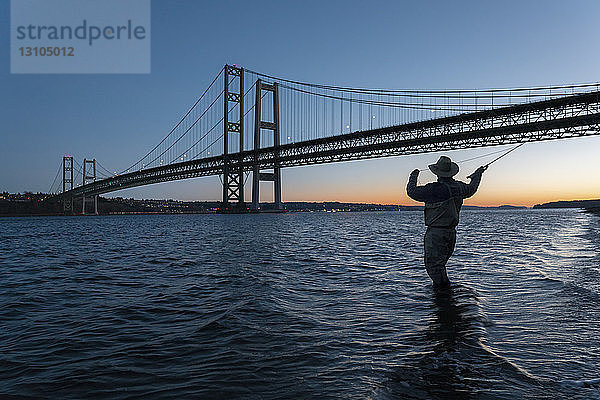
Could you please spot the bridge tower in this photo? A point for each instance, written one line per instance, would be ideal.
(89, 175)
(275, 174)
(233, 123)
(67, 183)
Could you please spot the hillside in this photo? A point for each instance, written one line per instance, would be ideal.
(570, 204)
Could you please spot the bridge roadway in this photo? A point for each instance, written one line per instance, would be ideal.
(564, 117)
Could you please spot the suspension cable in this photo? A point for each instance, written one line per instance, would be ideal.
(188, 129)
(180, 121)
(105, 169)
(55, 178)
(414, 106)
(437, 91)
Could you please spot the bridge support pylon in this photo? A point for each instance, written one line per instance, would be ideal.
(67, 184)
(274, 174)
(233, 123)
(89, 175)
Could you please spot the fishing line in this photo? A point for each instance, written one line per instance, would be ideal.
(475, 158)
(509, 151)
(505, 153)
(497, 158)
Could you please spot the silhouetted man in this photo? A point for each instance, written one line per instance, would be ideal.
(443, 200)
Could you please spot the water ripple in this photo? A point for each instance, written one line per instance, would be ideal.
(299, 306)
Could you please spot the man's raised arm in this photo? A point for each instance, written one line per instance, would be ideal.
(412, 190)
(475, 177)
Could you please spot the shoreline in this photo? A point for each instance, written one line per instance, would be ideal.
(595, 211)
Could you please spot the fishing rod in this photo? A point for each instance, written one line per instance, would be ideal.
(497, 158)
(505, 153)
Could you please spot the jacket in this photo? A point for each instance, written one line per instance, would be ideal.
(443, 199)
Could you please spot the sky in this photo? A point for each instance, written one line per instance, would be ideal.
(117, 118)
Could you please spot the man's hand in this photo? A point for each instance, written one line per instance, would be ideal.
(478, 171)
(481, 169)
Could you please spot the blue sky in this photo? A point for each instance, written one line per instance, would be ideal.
(429, 44)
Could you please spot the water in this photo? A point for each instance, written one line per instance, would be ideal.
(299, 306)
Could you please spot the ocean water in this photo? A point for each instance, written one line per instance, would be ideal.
(299, 306)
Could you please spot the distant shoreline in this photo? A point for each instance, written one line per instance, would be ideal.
(35, 205)
(585, 204)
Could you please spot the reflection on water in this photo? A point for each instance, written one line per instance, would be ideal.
(454, 360)
(450, 329)
(299, 306)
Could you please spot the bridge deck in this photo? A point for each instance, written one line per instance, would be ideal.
(569, 116)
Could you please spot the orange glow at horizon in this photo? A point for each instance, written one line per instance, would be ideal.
(481, 200)
(534, 174)
(491, 193)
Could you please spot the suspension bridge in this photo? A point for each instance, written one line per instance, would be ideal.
(251, 124)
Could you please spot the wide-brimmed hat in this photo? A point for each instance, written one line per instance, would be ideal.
(444, 167)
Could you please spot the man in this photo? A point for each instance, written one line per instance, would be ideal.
(443, 200)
